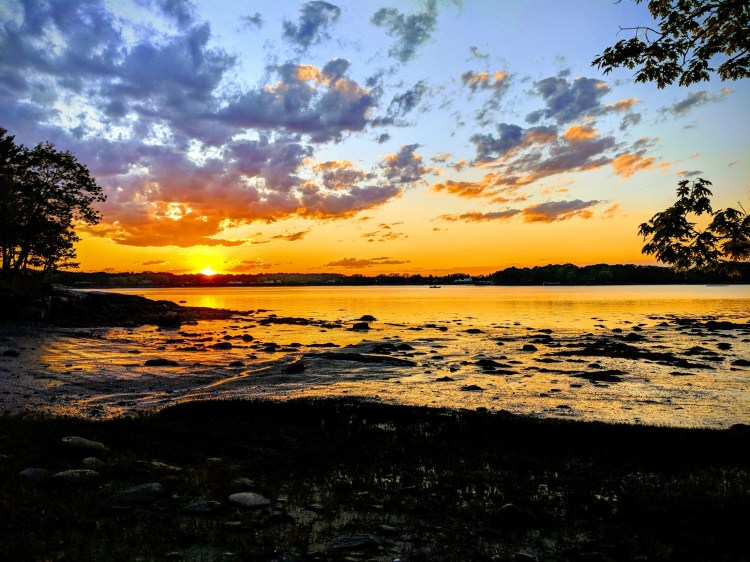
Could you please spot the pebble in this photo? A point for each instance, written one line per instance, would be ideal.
(144, 492)
(250, 499)
(202, 507)
(75, 442)
(34, 474)
(75, 476)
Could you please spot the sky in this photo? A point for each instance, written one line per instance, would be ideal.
(370, 137)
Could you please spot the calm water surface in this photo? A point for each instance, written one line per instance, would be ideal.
(446, 331)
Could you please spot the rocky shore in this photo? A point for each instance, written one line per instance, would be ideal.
(351, 480)
(63, 306)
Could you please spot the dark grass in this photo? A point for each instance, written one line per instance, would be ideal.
(394, 481)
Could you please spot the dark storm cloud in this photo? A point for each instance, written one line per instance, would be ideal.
(312, 27)
(410, 31)
(567, 101)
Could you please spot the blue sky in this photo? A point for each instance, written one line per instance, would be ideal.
(361, 136)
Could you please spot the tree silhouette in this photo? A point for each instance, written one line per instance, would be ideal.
(44, 194)
(672, 237)
(691, 35)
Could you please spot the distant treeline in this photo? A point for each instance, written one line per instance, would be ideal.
(566, 274)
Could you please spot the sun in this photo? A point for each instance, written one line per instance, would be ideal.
(207, 271)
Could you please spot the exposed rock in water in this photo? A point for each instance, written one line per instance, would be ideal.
(529, 347)
(444, 379)
(11, 353)
(616, 349)
(355, 542)
(360, 326)
(367, 318)
(362, 358)
(471, 388)
(202, 507)
(295, 368)
(161, 363)
(610, 375)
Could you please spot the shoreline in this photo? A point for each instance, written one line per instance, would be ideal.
(349, 479)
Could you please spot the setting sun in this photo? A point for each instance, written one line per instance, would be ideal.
(207, 271)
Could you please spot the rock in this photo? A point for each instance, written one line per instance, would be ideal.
(168, 320)
(161, 363)
(34, 474)
(74, 477)
(367, 318)
(93, 463)
(11, 353)
(236, 364)
(250, 499)
(245, 483)
(724, 346)
(471, 388)
(529, 347)
(608, 375)
(202, 507)
(246, 337)
(295, 368)
(142, 493)
(157, 467)
(358, 541)
(363, 358)
(524, 557)
(74, 442)
(474, 331)
(222, 345)
(444, 379)
(741, 363)
(360, 326)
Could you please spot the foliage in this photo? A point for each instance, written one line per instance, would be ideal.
(674, 239)
(690, 35)
(44, 193)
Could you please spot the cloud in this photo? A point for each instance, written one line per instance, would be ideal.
(690, 173)
(577, 133)
(694, 99)
(292, 237)
(627, 164)
(321, 104)
(181, 11)
(410, 31)
(553, 211)
(154, 262)
(254, 21)
(356, 263)
(402, 104)
(509, 138)
(314, 21)
(338, 175)
(405, 166)
(385, 234)
(476, 216)
(568, 101)
(612, 211)
(477, 81)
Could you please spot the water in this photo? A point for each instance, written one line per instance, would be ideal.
(101, 372)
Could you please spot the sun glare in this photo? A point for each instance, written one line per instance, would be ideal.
(207, 271)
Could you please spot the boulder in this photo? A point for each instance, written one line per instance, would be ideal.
(74, 477)
(34, 474)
